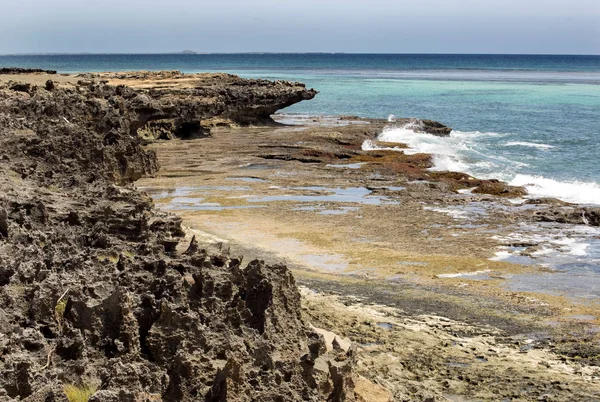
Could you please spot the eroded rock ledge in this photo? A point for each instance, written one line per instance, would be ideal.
(188, 105)
(96, 289)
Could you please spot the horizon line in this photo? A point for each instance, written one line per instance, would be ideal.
(193, 53)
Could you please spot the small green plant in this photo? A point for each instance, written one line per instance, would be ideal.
(79, 394)
(59, 309)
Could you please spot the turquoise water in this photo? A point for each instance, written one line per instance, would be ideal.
(529, 120)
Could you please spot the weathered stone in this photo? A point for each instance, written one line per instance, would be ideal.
(21, 87)
(187, 105)
(425, 126)
(366, 391)
(569, 214)
(435, 128)
(93, 273)
(500, 189)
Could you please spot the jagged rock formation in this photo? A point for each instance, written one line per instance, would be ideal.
(188, 105)
(430, 127)
(95, 288)
(422, 126)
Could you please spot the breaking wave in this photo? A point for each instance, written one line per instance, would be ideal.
(571, 191)
(528, 144)
(457, 152)
(473, 153)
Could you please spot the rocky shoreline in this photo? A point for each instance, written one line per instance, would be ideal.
(377, 228)
(98, 290)
(102, 291)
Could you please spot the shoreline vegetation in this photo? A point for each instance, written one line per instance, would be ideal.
(386, 293)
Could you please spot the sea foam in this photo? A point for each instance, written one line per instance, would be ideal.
(447, 151)
(421, 142)
(571, 191)
(463, 152)
(528, 144)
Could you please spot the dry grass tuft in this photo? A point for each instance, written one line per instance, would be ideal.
(79, 394)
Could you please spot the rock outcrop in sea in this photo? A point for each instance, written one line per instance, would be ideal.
(98, 289)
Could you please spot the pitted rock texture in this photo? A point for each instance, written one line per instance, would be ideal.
(188, 105)
(96, 289)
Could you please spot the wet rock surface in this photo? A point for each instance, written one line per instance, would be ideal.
(379, 228)
(575, 215)
(99, 290)
(430, 127)
(425, 357)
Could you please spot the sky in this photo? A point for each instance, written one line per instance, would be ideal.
(372, 26)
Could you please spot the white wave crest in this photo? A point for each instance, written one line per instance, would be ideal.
(468, 152)
(574, 191)
(528, 144)
(417, 142)
(445, 150)
(369, 145)
(449, 163)
(476, 134)
(573, 247)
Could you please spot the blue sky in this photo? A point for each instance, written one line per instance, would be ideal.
(401, 26)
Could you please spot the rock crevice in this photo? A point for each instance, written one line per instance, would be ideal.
(95, 286)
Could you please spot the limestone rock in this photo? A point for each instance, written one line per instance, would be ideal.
(94, 289)
(366, 391)
(575, 215)
(498, 188)
(333, 341)
(187, 105)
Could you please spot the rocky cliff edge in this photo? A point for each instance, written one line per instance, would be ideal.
(97, 291)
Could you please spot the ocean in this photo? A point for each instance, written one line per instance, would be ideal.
(531, 120)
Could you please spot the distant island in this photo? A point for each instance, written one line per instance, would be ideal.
(188, 52)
